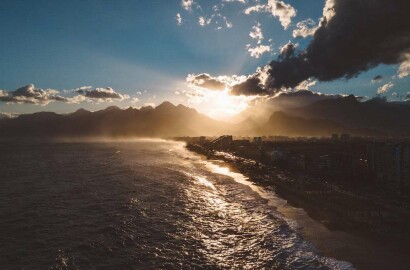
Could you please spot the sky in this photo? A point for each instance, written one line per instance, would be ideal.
(64, 55)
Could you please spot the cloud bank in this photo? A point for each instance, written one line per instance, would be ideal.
(353, 37)
(205, 80)
(104, 94)
(29, 94)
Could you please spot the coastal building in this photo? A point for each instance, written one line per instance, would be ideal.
(202, 139)
(278, 138)
(297, 162)
(390, 162)
(241, 143)
(344, 137)
(277, 155)
(223, 141)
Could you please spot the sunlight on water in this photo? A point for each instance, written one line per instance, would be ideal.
(243, 231)
(201, 180)
(205, 182)
(145, 205)
(240, 178)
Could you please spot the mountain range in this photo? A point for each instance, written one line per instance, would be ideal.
(391, 118)
(324, 117)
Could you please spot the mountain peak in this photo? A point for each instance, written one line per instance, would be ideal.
(112, 108)
(349, 99)
(165, 105)
(146, 108)
(80, 111)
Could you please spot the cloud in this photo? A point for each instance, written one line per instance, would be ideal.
(287, 50)
(188, 4)
(279, 9)
(256, 8)
(29, 94)
(377, 79)
(203, 21)
(217, 19)
(328, 10)
(228, 24)
(305, 28)
(258, 50)
(135, 100)
(385, 88)
(82, 88)
(348, 43)
(179, 19)
(250, 87)
(233, 85)
(305, 85)
(102, 94)
(256, 33)
(404, 68)
(7, 115)
(205, 80)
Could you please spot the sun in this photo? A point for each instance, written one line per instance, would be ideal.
(219, 105)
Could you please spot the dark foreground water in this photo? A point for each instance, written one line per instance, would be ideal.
(138, 205)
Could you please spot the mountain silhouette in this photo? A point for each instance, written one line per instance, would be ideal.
(375, 117)
(392, 118)
(163, 121)
(281, 123)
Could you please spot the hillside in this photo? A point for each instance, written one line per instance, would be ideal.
(392, 118)
(163, 121)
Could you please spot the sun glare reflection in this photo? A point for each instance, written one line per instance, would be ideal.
(227, 227)
(205, 182)
(272, 199)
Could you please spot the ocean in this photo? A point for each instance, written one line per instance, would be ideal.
(139, 204)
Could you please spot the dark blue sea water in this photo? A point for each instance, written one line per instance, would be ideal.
(138, 205)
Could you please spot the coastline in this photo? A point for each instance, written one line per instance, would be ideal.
(328, 231)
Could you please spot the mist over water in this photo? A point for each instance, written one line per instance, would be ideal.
(139, 205)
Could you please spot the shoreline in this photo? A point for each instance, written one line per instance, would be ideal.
(328, 231)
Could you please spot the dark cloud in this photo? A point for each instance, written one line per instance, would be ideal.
(206, 81)
(360, 35)
(287, 51)
(353, 37)
(252, 86)
(101, 93)
(30, 95)
(377, 78)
